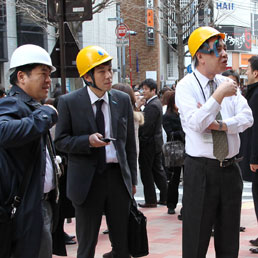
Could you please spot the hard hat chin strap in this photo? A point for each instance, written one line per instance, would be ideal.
(93, 83)
(208, 50)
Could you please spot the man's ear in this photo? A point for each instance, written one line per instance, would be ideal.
(87, 77)
(199, 57)
(255, 73)
(20, 76)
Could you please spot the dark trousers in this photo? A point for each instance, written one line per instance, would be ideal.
(107, 194)
(255, 192)
(172, 197)
(212, 196)
(152, 172)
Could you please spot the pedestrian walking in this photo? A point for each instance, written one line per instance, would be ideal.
(249, 147)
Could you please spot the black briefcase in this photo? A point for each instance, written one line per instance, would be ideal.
(137, 232)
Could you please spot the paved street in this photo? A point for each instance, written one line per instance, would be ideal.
(165, 231)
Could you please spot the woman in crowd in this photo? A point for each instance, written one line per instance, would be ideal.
(174, 131)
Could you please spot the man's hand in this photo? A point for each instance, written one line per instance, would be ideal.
(51, 106)
(226, 89)
(254, 167)
(95, 140)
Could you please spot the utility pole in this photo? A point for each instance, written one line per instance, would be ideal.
(62, 45)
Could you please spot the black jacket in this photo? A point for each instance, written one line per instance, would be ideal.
(150, 133)
(172, 125)
(249, 138)
(23, 130)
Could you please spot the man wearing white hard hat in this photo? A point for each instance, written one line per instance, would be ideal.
(28, 170)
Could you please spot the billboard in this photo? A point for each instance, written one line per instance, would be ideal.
(237, 38)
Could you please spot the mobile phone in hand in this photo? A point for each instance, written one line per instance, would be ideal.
(107, 139)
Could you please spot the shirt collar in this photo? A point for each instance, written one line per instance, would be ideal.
(94, 98)
(155, 96)
(203, 79)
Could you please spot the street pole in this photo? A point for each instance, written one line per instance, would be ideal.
(62, 45)
(130, 61)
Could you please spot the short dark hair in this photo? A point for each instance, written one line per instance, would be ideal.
(253, 62)
(233, 73)
(24, 68)
(91, 71)
(2, 91)
(150, 83)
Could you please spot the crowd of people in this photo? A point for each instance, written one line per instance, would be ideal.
(80, 154)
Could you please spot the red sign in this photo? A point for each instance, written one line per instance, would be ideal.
(121, 30)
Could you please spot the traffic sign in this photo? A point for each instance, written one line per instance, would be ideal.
(121, 30)
(122, 42)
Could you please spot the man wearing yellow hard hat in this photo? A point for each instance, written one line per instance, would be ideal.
(96, 130)
(213, 113)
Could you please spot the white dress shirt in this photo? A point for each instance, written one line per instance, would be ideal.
(110, 149)
(236, 114)
(49, 174)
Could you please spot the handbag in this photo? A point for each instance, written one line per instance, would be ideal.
(137, 232)
(174, 153)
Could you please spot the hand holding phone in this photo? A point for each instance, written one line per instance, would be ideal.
(107, 139)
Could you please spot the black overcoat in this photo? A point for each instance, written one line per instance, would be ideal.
(249, 138)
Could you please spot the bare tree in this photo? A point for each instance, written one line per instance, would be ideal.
(36, 12)
(176, 20)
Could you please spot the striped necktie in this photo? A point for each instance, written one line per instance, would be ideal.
(220, 140)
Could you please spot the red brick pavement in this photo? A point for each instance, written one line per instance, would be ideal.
(165, 234)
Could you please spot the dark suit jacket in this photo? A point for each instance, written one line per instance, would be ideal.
(249, 138)
(76, 123)
(150, 133)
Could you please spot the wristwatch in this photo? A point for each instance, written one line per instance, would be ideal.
(220, 124)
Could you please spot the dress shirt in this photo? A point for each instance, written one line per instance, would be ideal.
(236, 114)
(49, 174)
(110, 149)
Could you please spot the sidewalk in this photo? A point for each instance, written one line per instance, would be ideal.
(165, 234)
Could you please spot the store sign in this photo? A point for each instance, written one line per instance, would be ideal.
(237, 38)
(225, 6)
(150, 23)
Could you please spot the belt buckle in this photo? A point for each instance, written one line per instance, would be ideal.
(222, 164)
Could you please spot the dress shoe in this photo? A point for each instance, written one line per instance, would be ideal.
(242, 229)
(179, 217)
(70, 242)
(171, 211)
(68, 237)
(108, 255)
(106, 231)
(162, 202)
(254, 242)
(254, 250)
(147, 205)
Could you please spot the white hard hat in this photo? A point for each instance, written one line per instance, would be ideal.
(30, 54)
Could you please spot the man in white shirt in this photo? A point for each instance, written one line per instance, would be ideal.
(213, 113)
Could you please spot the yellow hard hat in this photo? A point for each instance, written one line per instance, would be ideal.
(90, 57)
(199, 36)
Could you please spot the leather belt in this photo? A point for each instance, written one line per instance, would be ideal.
(214, 162)
(111, 165)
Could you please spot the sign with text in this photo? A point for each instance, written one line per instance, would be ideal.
(237, 38)
(121, 31)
